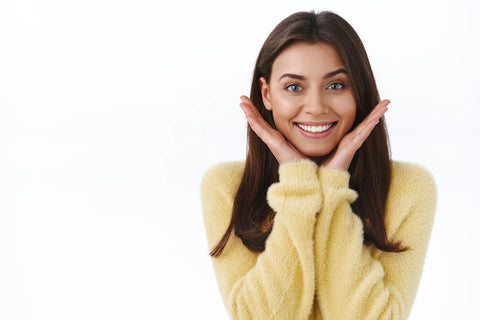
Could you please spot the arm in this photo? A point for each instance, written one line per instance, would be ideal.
(359, 282)
(279, 282)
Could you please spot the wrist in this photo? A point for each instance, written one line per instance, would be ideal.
(337, 165)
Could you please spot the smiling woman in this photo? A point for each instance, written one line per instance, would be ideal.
(318, 214)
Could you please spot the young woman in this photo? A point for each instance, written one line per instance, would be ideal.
(318, 222)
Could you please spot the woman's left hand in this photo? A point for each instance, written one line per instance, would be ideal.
(342, 155)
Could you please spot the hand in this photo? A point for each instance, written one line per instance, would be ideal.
(282, 149)
(342, 156)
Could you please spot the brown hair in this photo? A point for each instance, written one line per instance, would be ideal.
(370, 169)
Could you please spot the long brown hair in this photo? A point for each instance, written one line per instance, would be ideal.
(370, 169)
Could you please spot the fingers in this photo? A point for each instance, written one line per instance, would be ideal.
(367, 125)
(377, 112)
(269, 135)
(248, 107)
(358, 136)
(255, 119)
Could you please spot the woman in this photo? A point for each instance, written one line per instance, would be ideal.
(325, 225)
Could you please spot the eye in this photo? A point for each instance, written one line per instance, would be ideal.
(336, 86)
(293, 88)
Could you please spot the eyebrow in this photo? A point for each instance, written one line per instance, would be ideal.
(300, 77)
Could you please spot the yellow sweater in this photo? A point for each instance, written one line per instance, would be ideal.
(315, 265)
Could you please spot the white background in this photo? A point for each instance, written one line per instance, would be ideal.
(111, 111)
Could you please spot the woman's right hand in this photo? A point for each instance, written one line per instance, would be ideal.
(281, 148)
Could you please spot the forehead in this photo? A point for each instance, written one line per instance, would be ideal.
(310, 60)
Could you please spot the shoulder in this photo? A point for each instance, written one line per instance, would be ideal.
(412, 192)
(412, 178)
(224, 175)
(218, 189)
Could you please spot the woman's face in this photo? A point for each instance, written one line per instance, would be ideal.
(310, 97)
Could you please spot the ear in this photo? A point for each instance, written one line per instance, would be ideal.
(265, 90)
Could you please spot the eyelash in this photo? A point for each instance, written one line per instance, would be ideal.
(294, 84)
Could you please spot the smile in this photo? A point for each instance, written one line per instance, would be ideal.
(316, 129)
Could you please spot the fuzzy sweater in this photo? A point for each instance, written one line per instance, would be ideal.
(315, 265)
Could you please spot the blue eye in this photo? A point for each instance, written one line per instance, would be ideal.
(337, 87)
(293, 86)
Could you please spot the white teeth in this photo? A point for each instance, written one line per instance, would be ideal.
(315, 128)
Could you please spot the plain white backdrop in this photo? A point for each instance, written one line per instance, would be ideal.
(111, 111)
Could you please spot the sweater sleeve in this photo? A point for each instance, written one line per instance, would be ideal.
(278, 283)
(376, 284)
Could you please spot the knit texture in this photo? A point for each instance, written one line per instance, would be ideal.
(315, 265)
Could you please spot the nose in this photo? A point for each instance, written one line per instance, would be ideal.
(315, 104)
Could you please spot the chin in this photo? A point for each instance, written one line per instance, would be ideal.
(316, 153)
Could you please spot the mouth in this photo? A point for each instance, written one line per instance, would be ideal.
(316, 128)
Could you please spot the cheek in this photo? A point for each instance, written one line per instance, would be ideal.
(283, 111)
(350, 117)
(348, 111)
